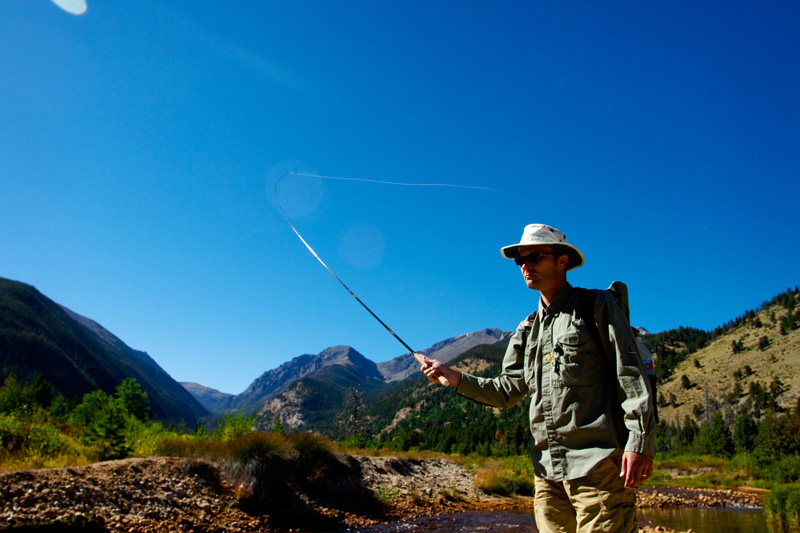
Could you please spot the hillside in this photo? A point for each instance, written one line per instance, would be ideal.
(417, 414)
(76, 355)
(721, 374)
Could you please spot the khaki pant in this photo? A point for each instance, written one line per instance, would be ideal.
(598, 501)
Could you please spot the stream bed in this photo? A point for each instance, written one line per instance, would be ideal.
(699, 520)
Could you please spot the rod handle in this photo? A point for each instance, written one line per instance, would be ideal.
(424, 361)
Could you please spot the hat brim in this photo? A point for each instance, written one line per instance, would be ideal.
(575, 256)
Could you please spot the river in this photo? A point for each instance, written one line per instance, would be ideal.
(699, 520)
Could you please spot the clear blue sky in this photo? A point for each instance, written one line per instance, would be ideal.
(140, 144)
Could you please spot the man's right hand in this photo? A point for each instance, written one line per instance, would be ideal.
(434, 370)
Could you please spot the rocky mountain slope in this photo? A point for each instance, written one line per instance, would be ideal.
(337, 365)
(719, 376)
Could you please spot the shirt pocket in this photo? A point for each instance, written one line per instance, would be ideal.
(577, 358)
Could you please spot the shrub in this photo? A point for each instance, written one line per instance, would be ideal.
(103, 422)
(11, 433)
(763, 343)
(782, 505)
(46, 440)
(258, 446)
(512, 475)
(145, 438)
(234, 425)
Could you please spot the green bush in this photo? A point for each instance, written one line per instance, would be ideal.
(145, 438)
(782, 505)
(46, 440)
(11, 433)
(234, 425)
(103, 420)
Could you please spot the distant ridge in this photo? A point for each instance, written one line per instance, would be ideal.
(76, 355)
(214, 401)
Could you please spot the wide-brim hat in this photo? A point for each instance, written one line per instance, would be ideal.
(542, 234)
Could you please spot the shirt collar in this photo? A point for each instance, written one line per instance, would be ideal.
(558, 302)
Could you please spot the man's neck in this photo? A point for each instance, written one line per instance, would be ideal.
(549, 294)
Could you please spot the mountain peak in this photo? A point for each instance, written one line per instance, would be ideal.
(273, 382)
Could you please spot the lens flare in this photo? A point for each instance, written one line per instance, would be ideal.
(74, 7)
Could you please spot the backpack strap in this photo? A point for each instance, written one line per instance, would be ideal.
(527, 325)
(587, 301)
(588, 298)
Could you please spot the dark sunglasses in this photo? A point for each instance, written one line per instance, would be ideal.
(531, 258)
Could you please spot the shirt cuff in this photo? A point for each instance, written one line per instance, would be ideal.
(640, 443)
(469, 387)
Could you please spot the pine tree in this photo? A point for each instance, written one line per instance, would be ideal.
(134, 399)
(744, 432)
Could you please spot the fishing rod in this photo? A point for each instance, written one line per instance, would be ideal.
(419, 357)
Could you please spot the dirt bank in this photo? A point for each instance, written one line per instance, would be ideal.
(163, 494)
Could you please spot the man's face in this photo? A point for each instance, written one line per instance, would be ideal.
(544, 270)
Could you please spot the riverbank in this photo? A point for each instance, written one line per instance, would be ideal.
(168, 494)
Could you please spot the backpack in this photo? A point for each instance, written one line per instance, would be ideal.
(620, 292)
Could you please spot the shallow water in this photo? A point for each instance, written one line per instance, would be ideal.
(703, 520)
(699, 520)
(466, 522)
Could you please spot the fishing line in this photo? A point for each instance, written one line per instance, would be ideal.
(570, 207)
(401, 183)
(343, 284)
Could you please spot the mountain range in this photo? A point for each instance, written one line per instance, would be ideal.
(333, 370)
(77, 355)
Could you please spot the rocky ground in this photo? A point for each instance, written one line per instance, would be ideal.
(164, 494)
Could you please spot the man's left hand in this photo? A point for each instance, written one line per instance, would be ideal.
(636, 468)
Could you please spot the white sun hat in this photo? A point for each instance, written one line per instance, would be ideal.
(542, 234)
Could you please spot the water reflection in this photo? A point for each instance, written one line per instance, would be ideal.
(466, 522)
(711, 520)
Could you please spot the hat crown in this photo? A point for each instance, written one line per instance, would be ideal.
(542, 234)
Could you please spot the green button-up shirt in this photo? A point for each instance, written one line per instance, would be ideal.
(587, 404)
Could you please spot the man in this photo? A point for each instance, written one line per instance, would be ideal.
(591, 413)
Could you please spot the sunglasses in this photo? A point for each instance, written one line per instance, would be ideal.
(531, 258)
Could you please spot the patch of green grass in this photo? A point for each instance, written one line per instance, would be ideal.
(510, 475)
(387, 495)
